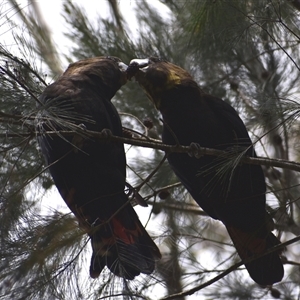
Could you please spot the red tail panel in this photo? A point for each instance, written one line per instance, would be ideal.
(127, 252)
(265, 270)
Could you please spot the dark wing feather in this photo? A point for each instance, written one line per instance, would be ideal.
(89, 173)
(231, 192)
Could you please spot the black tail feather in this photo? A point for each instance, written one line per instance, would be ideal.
(127, 253)
(265, 270)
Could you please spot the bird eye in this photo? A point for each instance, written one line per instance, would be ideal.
(113, 58)
(154, 59)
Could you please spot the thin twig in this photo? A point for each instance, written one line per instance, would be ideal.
(11, 75)
(152, 173)
(24, 64)
(273, 39)
(182, 208)
(229, 270)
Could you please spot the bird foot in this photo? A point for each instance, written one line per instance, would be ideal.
(194, 150)
(106, 133)
(136, 195)
(82, 126)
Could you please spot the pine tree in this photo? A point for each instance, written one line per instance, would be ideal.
(245, 52)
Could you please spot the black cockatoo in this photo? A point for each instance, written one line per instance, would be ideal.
(90, 174)
(234, 195)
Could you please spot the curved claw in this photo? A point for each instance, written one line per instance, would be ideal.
(194, 150)
(106, 133)
(82, 126)
(137, 197)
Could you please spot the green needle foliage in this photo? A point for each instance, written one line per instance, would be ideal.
(246, 52)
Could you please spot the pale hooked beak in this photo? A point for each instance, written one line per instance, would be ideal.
(142, 63)
(122, 67)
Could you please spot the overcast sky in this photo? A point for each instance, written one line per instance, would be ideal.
(52, 13)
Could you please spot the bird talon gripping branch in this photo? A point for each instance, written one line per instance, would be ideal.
(194, 150)
(82, 126)
(106, 133)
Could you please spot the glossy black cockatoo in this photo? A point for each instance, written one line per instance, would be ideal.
(90, 174)
(232, 193)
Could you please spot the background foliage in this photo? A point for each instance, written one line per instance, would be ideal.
(246, 52)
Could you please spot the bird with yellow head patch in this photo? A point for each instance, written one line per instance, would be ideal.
(227, 191)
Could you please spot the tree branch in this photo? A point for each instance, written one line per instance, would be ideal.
(279, 163)
(229, 270)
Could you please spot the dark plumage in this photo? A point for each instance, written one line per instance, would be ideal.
(231, 193)
(90, 174)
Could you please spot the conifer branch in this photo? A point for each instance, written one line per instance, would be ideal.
(279, 163)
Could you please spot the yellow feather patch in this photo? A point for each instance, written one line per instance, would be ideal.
(173, 79)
